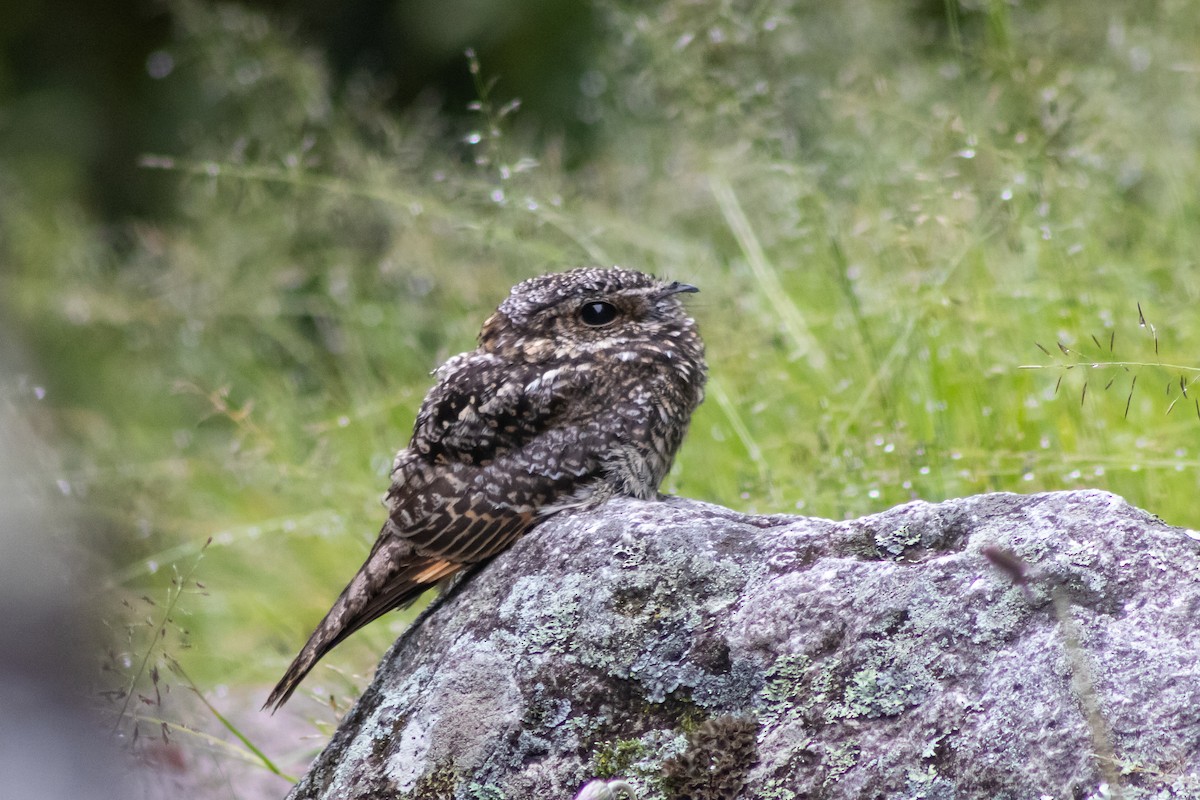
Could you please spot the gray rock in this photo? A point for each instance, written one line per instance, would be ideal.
(701, 653)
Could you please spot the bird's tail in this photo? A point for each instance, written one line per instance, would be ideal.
(387, 580)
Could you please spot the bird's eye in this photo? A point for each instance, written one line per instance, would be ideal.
(598, 314)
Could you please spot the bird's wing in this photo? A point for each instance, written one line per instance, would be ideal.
(445, 515)
(469, 512)
(483, 406)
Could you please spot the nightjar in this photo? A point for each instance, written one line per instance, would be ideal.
(580, 390)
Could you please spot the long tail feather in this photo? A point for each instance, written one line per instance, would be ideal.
(382, 584)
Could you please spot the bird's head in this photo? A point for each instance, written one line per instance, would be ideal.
(612, 313)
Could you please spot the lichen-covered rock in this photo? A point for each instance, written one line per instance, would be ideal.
(885, 657)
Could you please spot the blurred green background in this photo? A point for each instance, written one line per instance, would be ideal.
(235, 239)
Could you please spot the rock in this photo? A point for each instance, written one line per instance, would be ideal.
(987, 647)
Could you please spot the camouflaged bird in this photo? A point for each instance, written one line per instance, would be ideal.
(581, 389)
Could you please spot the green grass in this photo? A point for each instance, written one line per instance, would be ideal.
(886, 208)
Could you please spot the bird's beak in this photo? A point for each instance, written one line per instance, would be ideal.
(677, 288)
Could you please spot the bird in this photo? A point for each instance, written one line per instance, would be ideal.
(581, 389)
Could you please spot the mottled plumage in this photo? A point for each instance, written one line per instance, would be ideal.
(581, 388)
